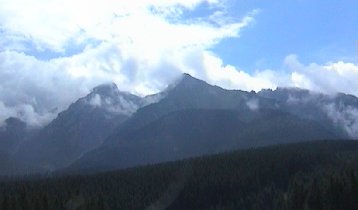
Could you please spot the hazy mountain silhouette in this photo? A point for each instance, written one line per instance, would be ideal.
(11, 134)
(79, 129)
(195, 118)
(109, 129)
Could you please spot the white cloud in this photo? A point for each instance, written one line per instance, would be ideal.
(26, 113)
(96, 101)
(116, 105)
(34, 90)
(328, 78)
(141, 45)
(253, 104)
(50, 24)
(346, 116)
(229, 77)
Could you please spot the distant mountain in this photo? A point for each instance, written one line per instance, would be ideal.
(110, 129)
(190, 133)
(79, 129)
(189, 93)
(338, 112)
(195, 118)
(12, 134)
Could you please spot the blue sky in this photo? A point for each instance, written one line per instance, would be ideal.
(52, 52)
(317, 31)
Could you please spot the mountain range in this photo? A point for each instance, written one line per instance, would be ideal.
(109, 129)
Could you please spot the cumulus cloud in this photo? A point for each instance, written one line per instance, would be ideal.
(140, 45)
(33, 90)
(139, 22)
(328, 78)
(53, 52)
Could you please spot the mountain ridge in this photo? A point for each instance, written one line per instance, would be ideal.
(99, 125)
(134, 144)
(79, 129)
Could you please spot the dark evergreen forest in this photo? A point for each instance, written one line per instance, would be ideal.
(311, 175)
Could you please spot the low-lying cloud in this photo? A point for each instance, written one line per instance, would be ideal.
(345, 116)
(114, 105)
(253, 104)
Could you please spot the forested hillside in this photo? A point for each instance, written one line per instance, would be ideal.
(313, 175)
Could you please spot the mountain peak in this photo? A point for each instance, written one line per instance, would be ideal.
(14, 122)
(186, 80)
(105, 88)
(187, 75)
(109, 98)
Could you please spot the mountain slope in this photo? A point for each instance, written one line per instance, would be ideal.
(79, 129)
(338, 112)
(194, 118)
(189, 133)
(191, 93)
(110, 129)
(12, 134)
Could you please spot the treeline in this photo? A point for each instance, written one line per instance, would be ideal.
(315, 175)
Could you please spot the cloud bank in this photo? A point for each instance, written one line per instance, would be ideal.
(53, 52)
